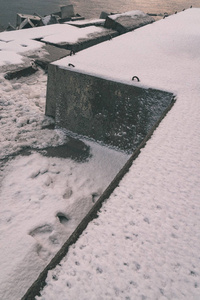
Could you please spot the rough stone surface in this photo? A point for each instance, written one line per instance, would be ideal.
(116, 114)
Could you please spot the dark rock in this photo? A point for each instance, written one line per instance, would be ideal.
(104, 15)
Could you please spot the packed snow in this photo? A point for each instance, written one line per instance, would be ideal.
(145, 243)
(36, 32)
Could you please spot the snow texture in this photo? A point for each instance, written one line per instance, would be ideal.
(14, 45)
(157, 59)
(145, 243)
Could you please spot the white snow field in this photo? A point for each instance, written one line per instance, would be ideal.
(42, 199)
(145, 243)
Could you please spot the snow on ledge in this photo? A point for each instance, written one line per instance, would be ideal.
(133, 14)
(162, 54)
(145, 242)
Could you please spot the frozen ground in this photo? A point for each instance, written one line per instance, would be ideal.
(145, 244)
(42, 198)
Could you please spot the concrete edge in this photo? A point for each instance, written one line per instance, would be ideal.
(40, 283)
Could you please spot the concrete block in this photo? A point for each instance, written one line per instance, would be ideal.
(127, 21)
(67, 11)
(114, 113)
(104, 15)
(22, 17)
(91, 40)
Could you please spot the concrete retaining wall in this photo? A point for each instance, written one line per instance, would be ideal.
(116, 114)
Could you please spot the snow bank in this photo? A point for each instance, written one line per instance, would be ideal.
(22, 116)
(12, 52)
(33, 33)
(145, 242)
(14, 45)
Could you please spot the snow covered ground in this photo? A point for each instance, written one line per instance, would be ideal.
(15, 45)
(145, 243)
(42, 199)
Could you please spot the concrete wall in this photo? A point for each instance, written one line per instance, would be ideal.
(114, 113)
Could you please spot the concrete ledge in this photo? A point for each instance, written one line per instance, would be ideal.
(117, 114)
(83, 43)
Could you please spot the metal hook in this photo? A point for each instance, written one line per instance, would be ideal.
(135, 77)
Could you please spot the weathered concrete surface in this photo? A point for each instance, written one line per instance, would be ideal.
(91, 40)
(125, 22)
(116, 114)
(67, 11)
(52, 53)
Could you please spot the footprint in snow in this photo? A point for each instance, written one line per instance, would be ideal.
(47, 238)
(41, 235)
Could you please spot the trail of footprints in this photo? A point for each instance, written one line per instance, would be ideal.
(49, 237)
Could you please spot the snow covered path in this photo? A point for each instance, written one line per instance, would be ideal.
(42, 199)
(145, 244)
